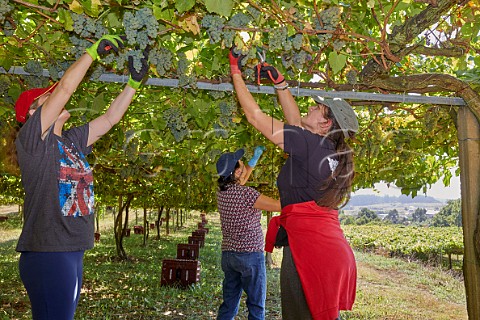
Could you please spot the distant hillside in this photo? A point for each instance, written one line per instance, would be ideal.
(365, 200)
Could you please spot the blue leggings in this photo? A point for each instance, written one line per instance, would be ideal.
(53, 281)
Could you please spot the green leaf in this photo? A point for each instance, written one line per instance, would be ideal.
(222, 7)
(184, 5)
(337, 61)
(168, 14)
(113, 20)
(98, 103)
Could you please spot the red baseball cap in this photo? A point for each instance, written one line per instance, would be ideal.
(26, 99)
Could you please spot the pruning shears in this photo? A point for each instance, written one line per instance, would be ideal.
(262, 56)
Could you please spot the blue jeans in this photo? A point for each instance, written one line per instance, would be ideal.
(243, 271)
(53, 281)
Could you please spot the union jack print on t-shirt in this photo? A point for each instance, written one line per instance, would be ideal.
(75, 182)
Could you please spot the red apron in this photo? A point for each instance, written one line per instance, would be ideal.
(323, 258)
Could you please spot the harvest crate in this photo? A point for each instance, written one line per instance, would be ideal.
(198, 234)
(180, 272)
(188, 251)
(138, 229)
(196, 240)
(203, 229)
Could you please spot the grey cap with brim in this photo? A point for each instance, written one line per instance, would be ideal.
(227, 161)
(343, 113)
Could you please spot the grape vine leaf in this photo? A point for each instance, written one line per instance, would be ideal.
(222, 7)
(337, 61)
(184, 5)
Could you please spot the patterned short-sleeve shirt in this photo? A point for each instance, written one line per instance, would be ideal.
(241, 228)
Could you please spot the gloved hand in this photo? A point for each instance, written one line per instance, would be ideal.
(136, 77)
(266, 71)
(104, 45)
(256, 155)
(235, 61)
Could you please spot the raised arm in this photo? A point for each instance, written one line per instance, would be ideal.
(270, 127)
(251, 164)
(69, 82)
(102, 124)
(289, 106)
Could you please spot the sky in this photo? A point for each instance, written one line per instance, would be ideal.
(437, 191)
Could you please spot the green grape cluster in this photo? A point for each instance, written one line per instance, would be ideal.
(338, 45)
(299, 59)
(330, 19)
(97, 72)
(137, 56)
(163, 60)
(120, 59)
(79, 46)
(8, 29)
(34, 68)
(86, 27)
(35, 81)
(239, 20)
(175, 122)
(129, 171)
(253, 12)
(5, 9)
(216, 94)
(227, 109)
(214, 27)
(184, 79)
(220, 132)
(213, 154)
(352, 77)
(141, 27)
(297, 41)
(5, 83)
(277, 40)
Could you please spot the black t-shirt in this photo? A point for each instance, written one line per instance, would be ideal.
(311, 161)
(58, 185)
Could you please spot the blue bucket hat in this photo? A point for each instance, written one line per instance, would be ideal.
(227, 161)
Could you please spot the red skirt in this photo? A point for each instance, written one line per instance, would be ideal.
(324, 259)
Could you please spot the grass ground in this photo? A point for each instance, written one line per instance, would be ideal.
(387, 288)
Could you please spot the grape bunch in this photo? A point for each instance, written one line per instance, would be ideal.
(214, 25)
(163, 60)
(216, 94)
(182, 72)
(79, 46)
(137, 56)
(141, 27)
(175, 122)
(220, 132)
(8, 28)
(5, 9)
(86, 27)
(254, 12)
(239, 20)
(277, 40)
(352, 77)
(330, 19)
(34, 68)
(97, 72)
(5, 83)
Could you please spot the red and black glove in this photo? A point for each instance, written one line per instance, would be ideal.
(235, 61)
(266, 71)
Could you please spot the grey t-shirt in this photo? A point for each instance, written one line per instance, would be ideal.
(58, 183)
